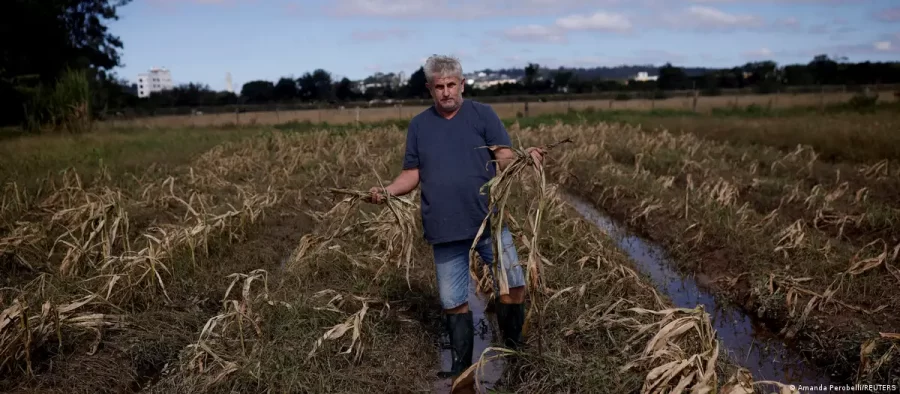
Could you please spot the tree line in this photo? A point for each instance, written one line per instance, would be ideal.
(318, 86)
(63, 79)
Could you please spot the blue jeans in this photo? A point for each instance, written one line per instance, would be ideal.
(451, 261)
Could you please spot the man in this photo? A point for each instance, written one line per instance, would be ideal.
(444, 156)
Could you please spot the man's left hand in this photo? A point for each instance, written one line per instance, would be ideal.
(537, 154)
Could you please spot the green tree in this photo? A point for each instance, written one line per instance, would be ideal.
(344, 90)
(258, 92)
(824, 70)
(69, 35)
(285, 90)
(672, 78)
(417, 84)
(562, 79)
(764, 75)
(798, 75)
(531, 74)
(316, 85)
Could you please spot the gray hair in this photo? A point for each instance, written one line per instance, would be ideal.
(442, 66)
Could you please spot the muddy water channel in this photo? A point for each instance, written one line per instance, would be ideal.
(747, 342)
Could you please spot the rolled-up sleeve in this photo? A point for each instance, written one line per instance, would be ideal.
(411, 157)
(494, 131)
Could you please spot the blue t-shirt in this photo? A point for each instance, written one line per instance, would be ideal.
(453, 166)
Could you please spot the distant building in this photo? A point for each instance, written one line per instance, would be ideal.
(381, 80)
(493, 82)
(156, 80)
(483, 80)
(644, 76)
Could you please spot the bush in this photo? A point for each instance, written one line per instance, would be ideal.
(863, 102)
(65, 106)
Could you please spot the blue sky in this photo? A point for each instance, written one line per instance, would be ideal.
(201, 40)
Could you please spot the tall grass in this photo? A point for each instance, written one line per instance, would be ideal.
(63, 107)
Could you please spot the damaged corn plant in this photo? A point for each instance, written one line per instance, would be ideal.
(498, 190)
(826, 230)
(255, 266)
(229, 338)
(393, 228)
(24, 329)
(120, 247)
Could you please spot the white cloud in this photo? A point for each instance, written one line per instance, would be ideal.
(386, 8)
(456, 9)
(759, 53)
(535, 33)
(712, 17)
(883, 46)
(405, 9)
(597, 21)
(813, 2)
(705, 19)
(789, 21)
(379, 34)
(888, 15)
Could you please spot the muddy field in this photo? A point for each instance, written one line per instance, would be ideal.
(241, 260)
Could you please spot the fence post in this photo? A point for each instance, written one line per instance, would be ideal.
(695, 100)
(822, 99)
(526, 109)
(357, 115)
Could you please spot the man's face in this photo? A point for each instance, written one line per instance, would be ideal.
(447, 92)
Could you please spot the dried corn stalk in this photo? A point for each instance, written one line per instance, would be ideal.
(498, 189)
(394, 228)
(22, 332)
(213, 351)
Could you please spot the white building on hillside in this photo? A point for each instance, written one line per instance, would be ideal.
(644, 76)
(156, 80)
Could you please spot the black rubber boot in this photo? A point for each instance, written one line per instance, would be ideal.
(511, 318)
(461, 330)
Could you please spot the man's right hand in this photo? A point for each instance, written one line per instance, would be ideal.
(375, 194)
(405, 182)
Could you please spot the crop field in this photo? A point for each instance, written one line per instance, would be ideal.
(243, 259)
(349, 115)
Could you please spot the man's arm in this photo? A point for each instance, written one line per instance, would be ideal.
(496, 134)
(504, 157)
(409, 176)
(404, 183)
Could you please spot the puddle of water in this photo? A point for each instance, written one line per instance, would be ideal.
(492, 371)
(754, 347)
